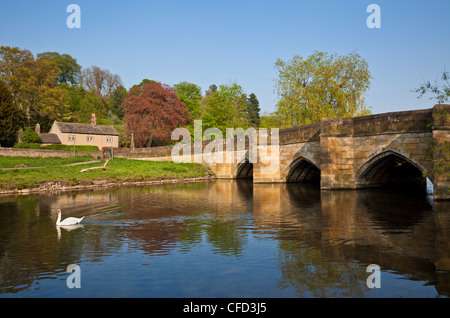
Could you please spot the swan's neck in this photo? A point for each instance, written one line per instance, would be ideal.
(59, 218)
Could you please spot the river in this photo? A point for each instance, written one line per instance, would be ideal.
(226, 238)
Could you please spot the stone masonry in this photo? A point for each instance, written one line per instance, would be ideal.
(346, 153)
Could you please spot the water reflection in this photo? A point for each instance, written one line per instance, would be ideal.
(323, 240)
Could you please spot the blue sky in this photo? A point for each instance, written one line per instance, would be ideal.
(218, 42)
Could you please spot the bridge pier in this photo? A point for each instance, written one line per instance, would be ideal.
(337, 156)
(441, 151)
(266, 169)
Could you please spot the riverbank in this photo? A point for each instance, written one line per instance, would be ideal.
(21, 175)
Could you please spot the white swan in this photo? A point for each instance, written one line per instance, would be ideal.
(68, 221)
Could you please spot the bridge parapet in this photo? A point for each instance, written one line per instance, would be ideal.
(393, 123)
(299, 134)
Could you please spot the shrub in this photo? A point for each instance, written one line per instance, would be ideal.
(70, 147)
(30, 136)
(27, 145)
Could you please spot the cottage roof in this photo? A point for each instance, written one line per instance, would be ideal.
(49, 139)
(88, 129)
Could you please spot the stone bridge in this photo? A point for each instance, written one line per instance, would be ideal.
(345, 153)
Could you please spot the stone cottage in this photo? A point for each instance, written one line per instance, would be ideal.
(81, 134)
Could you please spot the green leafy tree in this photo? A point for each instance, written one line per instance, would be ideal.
(322, 85)
(11, 117)
(226, 108)
(89, 104)
(68, 66)
(270, 121)
(82, 103)
(191, 95)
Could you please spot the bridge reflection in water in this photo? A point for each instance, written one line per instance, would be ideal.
(324, 239)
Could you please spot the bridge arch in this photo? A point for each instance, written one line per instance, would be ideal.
(390, 167)
(302, 169)
(244, 169)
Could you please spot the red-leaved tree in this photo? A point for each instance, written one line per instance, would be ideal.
(153, 110)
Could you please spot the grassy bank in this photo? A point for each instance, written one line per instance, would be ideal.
(25, 162)
(31, 173)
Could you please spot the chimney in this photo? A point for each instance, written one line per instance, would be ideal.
(37, 129)
(93, 120)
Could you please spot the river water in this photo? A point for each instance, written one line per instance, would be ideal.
(226, 239)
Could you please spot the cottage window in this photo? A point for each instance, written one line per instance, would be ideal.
(90, 138)
(71, 138)
(108, 139)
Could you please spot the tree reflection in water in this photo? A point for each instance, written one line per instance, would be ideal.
(311, 243)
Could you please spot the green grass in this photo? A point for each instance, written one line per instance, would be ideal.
(12, 162)
(121, 169)
(27, 145)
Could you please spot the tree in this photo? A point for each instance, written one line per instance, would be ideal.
(153, 110)
(191, 95)
(13, 61)
(41, 93)
(441, 92)
(270, 120)
(68, 66)
(33, 83)
(321, 85)
(253, 110)
(226, 108)
(82, 103)
(145, 80)
(11, 117)
(211, 90)
(115, 100)
(89, 104)
(102, 82)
